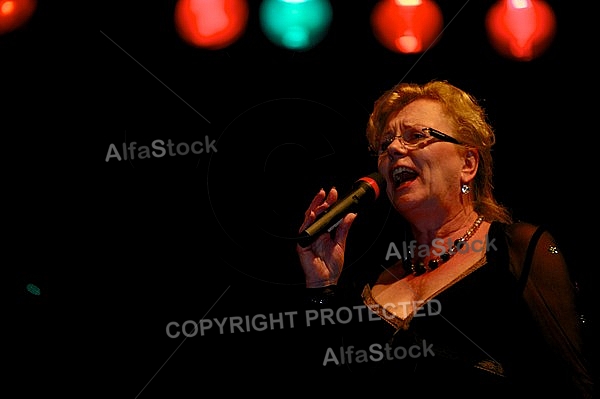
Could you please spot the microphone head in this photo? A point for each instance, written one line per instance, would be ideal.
(366, 190)
(376, 181)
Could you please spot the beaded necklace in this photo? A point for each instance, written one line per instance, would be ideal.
(418, 268)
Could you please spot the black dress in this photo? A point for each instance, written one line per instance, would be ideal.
(510, 327)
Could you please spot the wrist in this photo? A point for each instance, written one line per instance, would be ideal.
(321, 296)
(313, 284)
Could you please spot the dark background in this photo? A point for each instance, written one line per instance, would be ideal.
(150, 241)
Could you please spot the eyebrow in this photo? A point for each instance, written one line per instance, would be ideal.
(409, 124)
(404, 126)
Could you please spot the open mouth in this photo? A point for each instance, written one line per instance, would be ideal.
(403, 174)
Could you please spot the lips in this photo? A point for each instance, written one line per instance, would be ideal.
(402, 174)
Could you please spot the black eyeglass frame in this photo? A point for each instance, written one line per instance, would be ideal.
(429, 130)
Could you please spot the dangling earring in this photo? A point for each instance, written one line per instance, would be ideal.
(465, 189)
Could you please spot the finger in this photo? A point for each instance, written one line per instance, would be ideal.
(316, 201)
(341, 232)
(309, 218)
(309, 214)
(331, 198)
(318, 205)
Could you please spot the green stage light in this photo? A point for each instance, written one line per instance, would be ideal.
(295, 24)
(33, 289)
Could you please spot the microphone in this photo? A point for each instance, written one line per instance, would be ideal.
(365, 190)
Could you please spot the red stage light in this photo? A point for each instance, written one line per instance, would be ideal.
(15, 13)
(521, 29)
(211, 24)
(407, 26)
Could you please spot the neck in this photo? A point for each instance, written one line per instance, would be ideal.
(438, 251)
(426, 230)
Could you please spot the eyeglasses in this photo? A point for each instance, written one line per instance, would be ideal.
(414, 138)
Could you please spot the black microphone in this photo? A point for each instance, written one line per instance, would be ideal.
(365, 190)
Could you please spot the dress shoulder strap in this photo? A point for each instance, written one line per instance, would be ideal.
(535, 237)
(522, 239)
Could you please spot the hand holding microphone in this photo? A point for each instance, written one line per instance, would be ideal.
(322, 238)
(365, 191)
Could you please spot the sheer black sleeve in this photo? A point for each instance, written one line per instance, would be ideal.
(551, 295)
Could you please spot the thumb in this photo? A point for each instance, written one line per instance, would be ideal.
(341, 233)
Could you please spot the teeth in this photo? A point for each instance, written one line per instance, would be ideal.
(397, 172)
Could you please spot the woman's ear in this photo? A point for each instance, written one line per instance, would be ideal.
(470, 165)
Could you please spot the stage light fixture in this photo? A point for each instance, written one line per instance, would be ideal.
(297, 25)
(521, 30)
(211, 24)
(33, 289)
(15, 13)
(407, 26)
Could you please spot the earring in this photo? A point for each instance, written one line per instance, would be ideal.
(465, 189)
